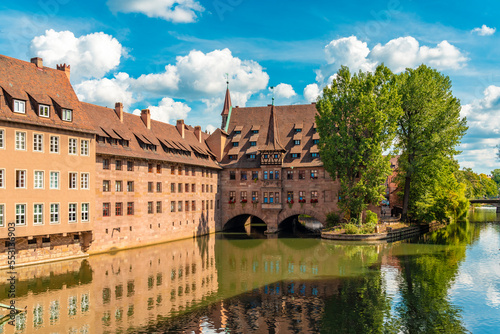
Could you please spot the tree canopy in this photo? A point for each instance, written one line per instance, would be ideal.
(357, 122)
(428, 133)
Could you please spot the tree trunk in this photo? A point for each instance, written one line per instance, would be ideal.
(406, 197)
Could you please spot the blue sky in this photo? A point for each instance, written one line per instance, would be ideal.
(172, 55)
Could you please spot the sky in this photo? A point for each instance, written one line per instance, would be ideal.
(172, 56)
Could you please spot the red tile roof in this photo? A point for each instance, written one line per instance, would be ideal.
(23, 80)
(160, 133)
(286, 119)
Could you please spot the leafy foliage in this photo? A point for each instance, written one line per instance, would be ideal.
(477, 185)
(357, 122)
(427, 135)
(332, 219)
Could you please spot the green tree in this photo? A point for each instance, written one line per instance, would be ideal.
(496, 176)
(356, 122)
(427, 135)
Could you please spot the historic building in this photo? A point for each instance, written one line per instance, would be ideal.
(76, 178)
(47, 163)
(154, 181)
(271, 165)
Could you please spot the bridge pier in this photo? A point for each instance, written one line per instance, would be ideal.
(498, 209)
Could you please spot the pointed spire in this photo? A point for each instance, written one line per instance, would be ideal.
(273, 140)
(227, 101)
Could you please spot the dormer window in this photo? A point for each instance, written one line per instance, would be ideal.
(253, 143)
(238, 132)
(20, 106)
(316, 141)
(298, 130)
(296, 142)
(67, 115)
(255, 131)
(295, 155)
(236, 144)
(43, 110)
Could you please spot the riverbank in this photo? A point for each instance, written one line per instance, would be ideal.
(391, 233)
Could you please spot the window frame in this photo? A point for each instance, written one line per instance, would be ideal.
(54, 147)
(2, 139)
(2, 214)
(84, 181)
(106, 209)
(37, 214)
(43, 107)
(65, 113)
(70, 212)
(84, 147)
(58, 180)
(56, 214)
(38, 145)
(130, 208)
(25, 179)
(71, 148)
(35, 179)
(16, 104)
(2, 178)
(18, 142)
(85, 212)
(24, 214)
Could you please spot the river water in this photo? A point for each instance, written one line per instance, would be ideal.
(447, 281)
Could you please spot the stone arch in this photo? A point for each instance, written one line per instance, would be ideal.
(240, 213)
(285, 214)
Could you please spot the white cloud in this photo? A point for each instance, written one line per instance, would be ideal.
(397, 54)
(484, 30)
(177, 11)
(105, 92)
(311, 92)
(483, 119)
(167, 110)
(201, 75)
(210, 128)
(284, 90)
(90, 56)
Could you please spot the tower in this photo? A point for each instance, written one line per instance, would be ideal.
(226, 110)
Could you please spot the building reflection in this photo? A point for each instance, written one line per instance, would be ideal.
(114, 292)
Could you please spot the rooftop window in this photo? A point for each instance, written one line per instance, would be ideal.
(43, 110)
(20, 106)
(253, 143)
(255, 131)
(67, 115)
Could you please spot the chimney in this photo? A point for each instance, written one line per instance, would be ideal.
(180, 127)
(119, 110)
(65, 68)
(37, 61)
(197, 132)
(146, 118)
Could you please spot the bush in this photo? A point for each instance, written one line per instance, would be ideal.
(332, 219)
(351, 229)
(371, 218)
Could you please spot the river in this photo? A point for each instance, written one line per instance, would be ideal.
(447, 281)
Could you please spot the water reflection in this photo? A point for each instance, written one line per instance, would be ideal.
(228, 284)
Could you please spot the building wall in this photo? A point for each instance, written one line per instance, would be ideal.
(62, 234)
(115, 231)
(274, 214)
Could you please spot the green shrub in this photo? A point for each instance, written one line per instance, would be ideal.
(371, 218)
(351, 229)
(332, 219)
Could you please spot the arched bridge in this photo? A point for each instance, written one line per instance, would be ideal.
(494, 202)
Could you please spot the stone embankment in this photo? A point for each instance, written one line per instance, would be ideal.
(389, 235)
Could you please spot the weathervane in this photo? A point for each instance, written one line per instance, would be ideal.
(227, 80)
(272, 90)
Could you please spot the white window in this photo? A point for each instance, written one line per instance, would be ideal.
(72, 180)
(20, 179)
(2, 135)
(43, 111)
(20, 106)
(72, 213)
(39, 176)
(54, 144)
(2, 215)
(72, 145)
(67, 115)
(21, 141)
(85, 212)
(38, 142)
(54, 213)
(20, 214)
(54, 180)
(84, 181)
(84, 147)
(2, 178)
(38, 214)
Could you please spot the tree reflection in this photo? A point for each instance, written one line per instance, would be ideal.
(360, 306)
(425, 280)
